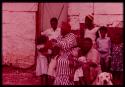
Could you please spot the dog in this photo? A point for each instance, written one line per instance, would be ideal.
(103, 78)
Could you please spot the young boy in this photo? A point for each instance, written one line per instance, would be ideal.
(104, 48)
(92, 66)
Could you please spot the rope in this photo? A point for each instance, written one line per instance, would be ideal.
(60, 12)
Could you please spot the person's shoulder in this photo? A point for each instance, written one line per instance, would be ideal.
(98, 39)
(108, 38)
(81, 57)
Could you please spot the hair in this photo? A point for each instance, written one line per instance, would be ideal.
(83, 50)
(53, 19)
(42, 39)
(103, 28)
(88, 39)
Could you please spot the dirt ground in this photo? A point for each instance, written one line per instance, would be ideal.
(14, 76)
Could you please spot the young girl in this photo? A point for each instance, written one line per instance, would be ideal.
(104, 48)
(42, 63)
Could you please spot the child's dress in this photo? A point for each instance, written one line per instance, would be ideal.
(42, 65)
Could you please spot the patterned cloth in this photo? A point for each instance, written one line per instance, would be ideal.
(67, 42)
(63, 71)
(117, 57)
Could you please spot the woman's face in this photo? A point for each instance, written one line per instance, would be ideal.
(65, 29)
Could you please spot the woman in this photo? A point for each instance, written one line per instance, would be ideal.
(66, 42)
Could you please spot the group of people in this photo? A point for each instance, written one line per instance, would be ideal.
(65, 58)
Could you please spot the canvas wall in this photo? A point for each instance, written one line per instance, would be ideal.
(18, 34)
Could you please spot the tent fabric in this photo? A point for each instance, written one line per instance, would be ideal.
(54, 10)
(18, 34)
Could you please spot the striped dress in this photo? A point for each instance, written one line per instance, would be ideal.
(63, 71)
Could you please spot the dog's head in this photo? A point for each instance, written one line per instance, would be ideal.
(105, 78)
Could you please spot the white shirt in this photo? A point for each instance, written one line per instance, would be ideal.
(51, 33)
(104, 45)
(91, 33)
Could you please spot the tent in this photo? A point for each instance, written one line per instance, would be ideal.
(22, 24)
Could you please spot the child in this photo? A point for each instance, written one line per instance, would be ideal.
(92, 65)
(42, 63)
(104, 48)
(52, 65)
(79, 72)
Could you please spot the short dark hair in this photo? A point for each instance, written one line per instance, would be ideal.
(42, 39)
(53, 19)
(83, 40)
(103, 28)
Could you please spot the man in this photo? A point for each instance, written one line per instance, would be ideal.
(54, 31)
(90, 29)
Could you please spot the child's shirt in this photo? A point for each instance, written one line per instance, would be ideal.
(104, 45)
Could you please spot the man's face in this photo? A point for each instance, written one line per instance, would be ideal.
(54, 24)
(88, 23)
